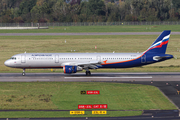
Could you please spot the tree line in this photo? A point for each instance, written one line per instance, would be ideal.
(22, 11)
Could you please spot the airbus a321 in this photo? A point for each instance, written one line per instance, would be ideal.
(74, 62)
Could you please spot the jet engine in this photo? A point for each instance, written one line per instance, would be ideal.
(68, 69)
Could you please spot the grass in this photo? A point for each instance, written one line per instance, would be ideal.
(66, 96)
(121, 28)
(11, 45)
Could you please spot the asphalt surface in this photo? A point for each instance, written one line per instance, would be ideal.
(98, 77)
(167, 82)
(106, 33)
(99, 118)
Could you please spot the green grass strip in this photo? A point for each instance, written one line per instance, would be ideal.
(66, 96)
(83, 29)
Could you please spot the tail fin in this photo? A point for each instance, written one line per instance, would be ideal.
(160, 45)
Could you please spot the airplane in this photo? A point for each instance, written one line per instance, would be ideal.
(75, 62)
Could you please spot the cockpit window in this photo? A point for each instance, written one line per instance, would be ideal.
(13, 58)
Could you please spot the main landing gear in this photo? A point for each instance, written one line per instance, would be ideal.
(23, 73)
(88, 73)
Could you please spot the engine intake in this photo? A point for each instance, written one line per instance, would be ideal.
(71, 69)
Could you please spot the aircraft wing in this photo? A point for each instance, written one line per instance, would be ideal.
(85, 65)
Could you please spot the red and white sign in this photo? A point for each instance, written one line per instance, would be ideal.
(95, 47)
(84, 106)
(90, 92)
(100, 106)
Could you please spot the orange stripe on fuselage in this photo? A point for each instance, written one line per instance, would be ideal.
(123, 61)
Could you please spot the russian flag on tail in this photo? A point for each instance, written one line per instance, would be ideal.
(160, 45)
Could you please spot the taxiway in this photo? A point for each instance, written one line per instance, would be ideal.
(81, 77)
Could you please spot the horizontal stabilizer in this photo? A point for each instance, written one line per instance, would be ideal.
(157, 58)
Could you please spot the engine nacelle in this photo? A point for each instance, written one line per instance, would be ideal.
(68, 69)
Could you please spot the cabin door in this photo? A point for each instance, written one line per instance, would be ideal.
(23, 58)
(143, 59)
(98, 58)
(56, 58)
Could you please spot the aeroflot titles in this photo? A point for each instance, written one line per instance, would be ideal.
(41, 54)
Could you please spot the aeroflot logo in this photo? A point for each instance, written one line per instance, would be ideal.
(105, 61)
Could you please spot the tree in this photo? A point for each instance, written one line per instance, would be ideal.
(45, 9)
(172, 14)
(60, 11)
(176, 4)
(88, 10)
(85, 12)
(152, 15)
(113, 12)
(26, 6)
(6, 19)
(96, 7)
(35, 14)
(18, 20)
(75, 11)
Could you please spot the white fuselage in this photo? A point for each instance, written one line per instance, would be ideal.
(58, 60)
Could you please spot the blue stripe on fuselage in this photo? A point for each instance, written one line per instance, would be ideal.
(133, 63)
(138, 62)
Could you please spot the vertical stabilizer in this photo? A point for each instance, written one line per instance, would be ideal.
(160, 45)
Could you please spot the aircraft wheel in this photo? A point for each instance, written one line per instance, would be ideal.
(88, 73)
(23, 74)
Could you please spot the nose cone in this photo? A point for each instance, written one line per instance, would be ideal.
(7, 63)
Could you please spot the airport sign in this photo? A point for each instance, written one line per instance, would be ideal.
(84, 106)
(83, 92)
(77, 112)
(90, 92)
(100, 106)
(99, 112)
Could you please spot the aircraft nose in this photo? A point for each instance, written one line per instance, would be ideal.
(7, 63)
